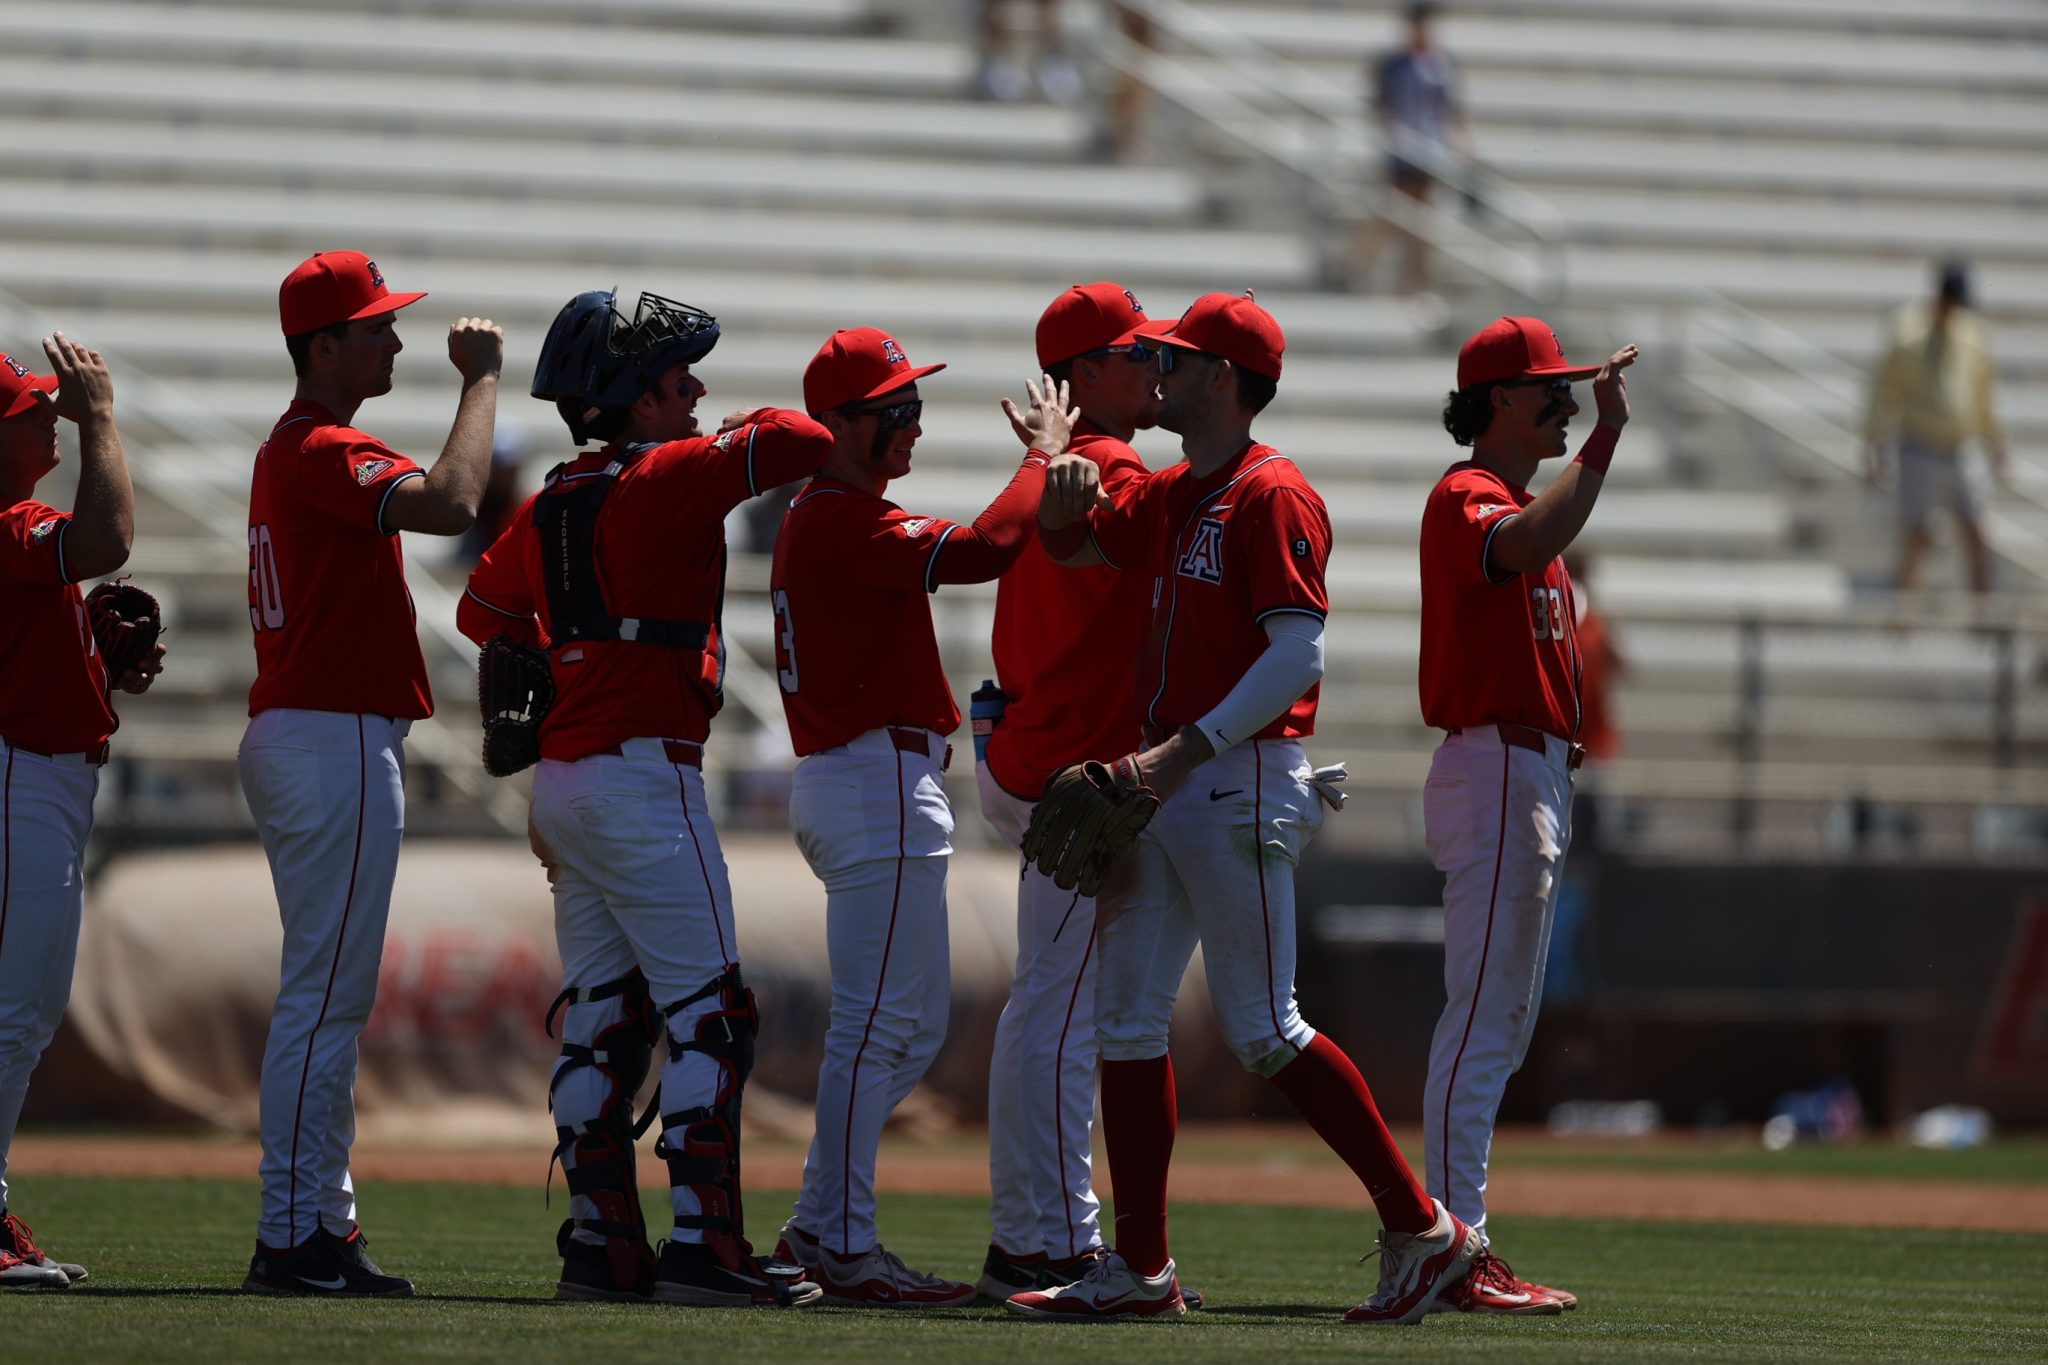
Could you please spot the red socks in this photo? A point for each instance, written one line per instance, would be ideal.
(1334, 1098)
(1139, 1115)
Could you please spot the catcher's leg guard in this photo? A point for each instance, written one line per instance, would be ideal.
(701, 1143)
(608, 1034)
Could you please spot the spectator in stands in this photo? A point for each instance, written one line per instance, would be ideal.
(1414, 98)
(1000, 76)
(1930, 398)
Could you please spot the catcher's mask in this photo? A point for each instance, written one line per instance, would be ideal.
(595, 361)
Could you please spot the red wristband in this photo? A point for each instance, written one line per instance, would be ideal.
(1598, 451)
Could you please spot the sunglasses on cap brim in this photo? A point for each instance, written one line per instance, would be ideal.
(895, 417)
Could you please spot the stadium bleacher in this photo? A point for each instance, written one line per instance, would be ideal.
(796, 165)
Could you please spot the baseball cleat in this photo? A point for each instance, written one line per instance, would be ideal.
(587, 1275)
(16, 1273)
(323, 1266)
(879, 1279)
(1414, 1268)
(1004, 1274)
(692, 1273)
(1490, 1286)
(1072, 1268)
(1110, 1289)
(798, 1247)
(18, 1241)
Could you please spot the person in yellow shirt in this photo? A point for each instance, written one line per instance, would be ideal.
(1930, 397)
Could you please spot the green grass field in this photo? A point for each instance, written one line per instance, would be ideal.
(166, 1255)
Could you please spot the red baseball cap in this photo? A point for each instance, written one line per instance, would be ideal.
(1515, 348)
(1089, 317)
(856, 363)
(18, 385)
(1234, 327)
(335, 286)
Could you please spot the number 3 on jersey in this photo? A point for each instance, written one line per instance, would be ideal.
(1546, 613)
(785, 642)
(266, 594)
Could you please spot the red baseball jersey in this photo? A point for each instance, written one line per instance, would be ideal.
(1495, 647)
(854, 646)
(334, 620)
(660, 554)
(1217, 556)
(53, 687)
(1063, 645)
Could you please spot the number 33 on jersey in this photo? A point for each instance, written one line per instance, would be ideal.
(1496, 647)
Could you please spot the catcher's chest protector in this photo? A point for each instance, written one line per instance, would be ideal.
(565, 515)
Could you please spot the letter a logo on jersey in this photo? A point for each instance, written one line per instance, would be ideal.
(1204, 557)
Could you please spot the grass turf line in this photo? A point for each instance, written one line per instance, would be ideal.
(166, 1255)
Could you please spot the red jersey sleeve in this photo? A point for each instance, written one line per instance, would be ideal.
(1289, 548)
(899, 550)
(32, 544)
(1122, 532)
(349, 474)
(499, 598)
(1471, 507)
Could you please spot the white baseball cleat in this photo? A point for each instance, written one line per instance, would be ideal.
(1415, 1266)
(879, 1279)
(1110, 1289)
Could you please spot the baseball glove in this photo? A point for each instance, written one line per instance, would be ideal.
(514, 690)
(126, 622)
(1090, 813)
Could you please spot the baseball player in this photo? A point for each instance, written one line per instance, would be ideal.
(1067, 699)
(1232, 546)
(1500, 674)
(339, 681)
(55, 719)
(618, 564)
(869, 710)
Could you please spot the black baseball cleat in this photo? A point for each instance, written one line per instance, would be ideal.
(1004, 1274)
(323, 1265)
(589, 1275)
(692, 1273)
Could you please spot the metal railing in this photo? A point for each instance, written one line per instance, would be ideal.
(1338, 159)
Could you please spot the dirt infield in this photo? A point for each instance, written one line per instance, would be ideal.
(1262, 1166)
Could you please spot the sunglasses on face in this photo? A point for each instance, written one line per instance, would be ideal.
(1171, 357)
(1558, 388)
(895, 417)
(1138, 353)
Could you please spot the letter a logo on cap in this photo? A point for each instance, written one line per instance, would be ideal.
(1136, 307)
(376, 275)
(893, 353)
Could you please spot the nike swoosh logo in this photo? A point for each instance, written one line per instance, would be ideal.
(1513, 1298)
(1215, 795)
(337, 1282)
(1111, 1303)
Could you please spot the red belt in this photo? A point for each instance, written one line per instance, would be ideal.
(1530, 738)
(689, 755)
(911, 740)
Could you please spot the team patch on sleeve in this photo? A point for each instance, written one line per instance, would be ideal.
(40, 532)
(367, 470)
(1486, 511)
(917, 526)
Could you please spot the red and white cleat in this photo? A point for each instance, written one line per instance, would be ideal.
(1414, 1268)
(1110, 1289)
(1491, 1286)
(879, 1279)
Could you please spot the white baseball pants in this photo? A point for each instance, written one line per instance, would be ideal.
(1215, 867)
(45, 817)
(1041, 1074)
(1498, 821)
(327, 789)
(639, 879)
(873, 821)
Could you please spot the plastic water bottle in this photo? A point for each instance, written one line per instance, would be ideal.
(985, 709)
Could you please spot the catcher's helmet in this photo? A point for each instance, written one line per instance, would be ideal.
(594, 360)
